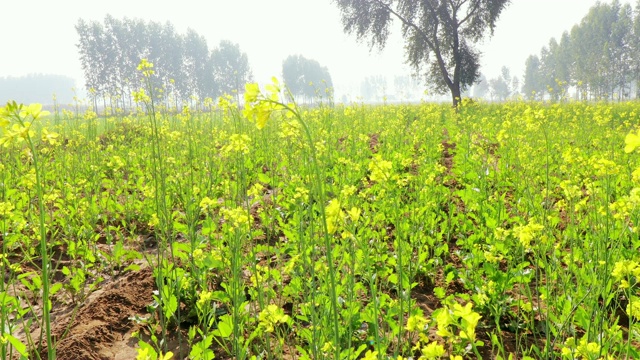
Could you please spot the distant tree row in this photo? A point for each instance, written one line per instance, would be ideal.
(306, 78)
(37, 88)
(598, 58)
(184, 66)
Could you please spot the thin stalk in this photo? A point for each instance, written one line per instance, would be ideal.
(46, 264)
(319, 189)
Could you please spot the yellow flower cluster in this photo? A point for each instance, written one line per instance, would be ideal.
(259, 107)
(207, 204)
(272, 316)
(461, 316)
(146, 67)
(625, 205)
(526, 233)
(238, 143)
(6, 208)
(632, 141)
(204, 298)
(236, 218)
(625, 271)
(582, 349)
(336, 217)
(380, 169)
(290, 129)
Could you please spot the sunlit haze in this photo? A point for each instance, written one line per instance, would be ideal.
(38, 36)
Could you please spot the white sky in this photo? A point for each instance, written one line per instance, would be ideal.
(38, 36)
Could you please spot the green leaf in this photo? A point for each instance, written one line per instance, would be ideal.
(393, 278)
(264, 178)
(170, 302)
(132, 267)
(19, 346)
(225, 327)
(439, 292)
(55, 288)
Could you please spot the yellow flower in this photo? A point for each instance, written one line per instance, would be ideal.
(236, 217)
(237, 143)
(622, 269)
(354, 214)
(632, 142)
(4, 114)
(33, 110)
(198, 254)
(146, 67)
(207, 204)
(6, 208)
(527, 233)
(432, 351)
(49, 137)
(469, 320)
(252, 90)
(274, 88)
(588, 349)
(204, 297)
(140, 96)
(416, 323)
(633, 308)
(143, 354)
(166, 356)
(271, 316)
(380, 169)
(370, 355)
(333, 213)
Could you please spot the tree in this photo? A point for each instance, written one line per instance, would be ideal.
(231, 68)
(406, 87)
(439, 34)
(110, 54)
(93, 58)
(533, 83)
(198, 65)
(598, 56)
(501, 86)
(306, 77)
(373, 88)
(481, 87)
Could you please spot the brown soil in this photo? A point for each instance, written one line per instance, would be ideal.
(101, 327)
(374, 142)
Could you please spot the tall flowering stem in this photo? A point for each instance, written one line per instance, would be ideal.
(258, 108)
(20, 118)
(162, 209)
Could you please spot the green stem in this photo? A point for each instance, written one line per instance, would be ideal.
(327, 241)
(46, 306)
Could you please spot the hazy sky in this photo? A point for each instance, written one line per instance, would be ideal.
(38, 36)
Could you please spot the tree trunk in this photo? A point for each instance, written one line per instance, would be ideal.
(456, 94)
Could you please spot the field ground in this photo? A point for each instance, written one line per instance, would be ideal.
(397, 232)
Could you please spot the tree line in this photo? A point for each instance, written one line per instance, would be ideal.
(306, 78)
(596, 60)
(185, 67)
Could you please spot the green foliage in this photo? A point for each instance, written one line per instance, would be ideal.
(439, 35)
(493, 231)
(231, 68)
(307, 78)
(598, 57)
(186, 67)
